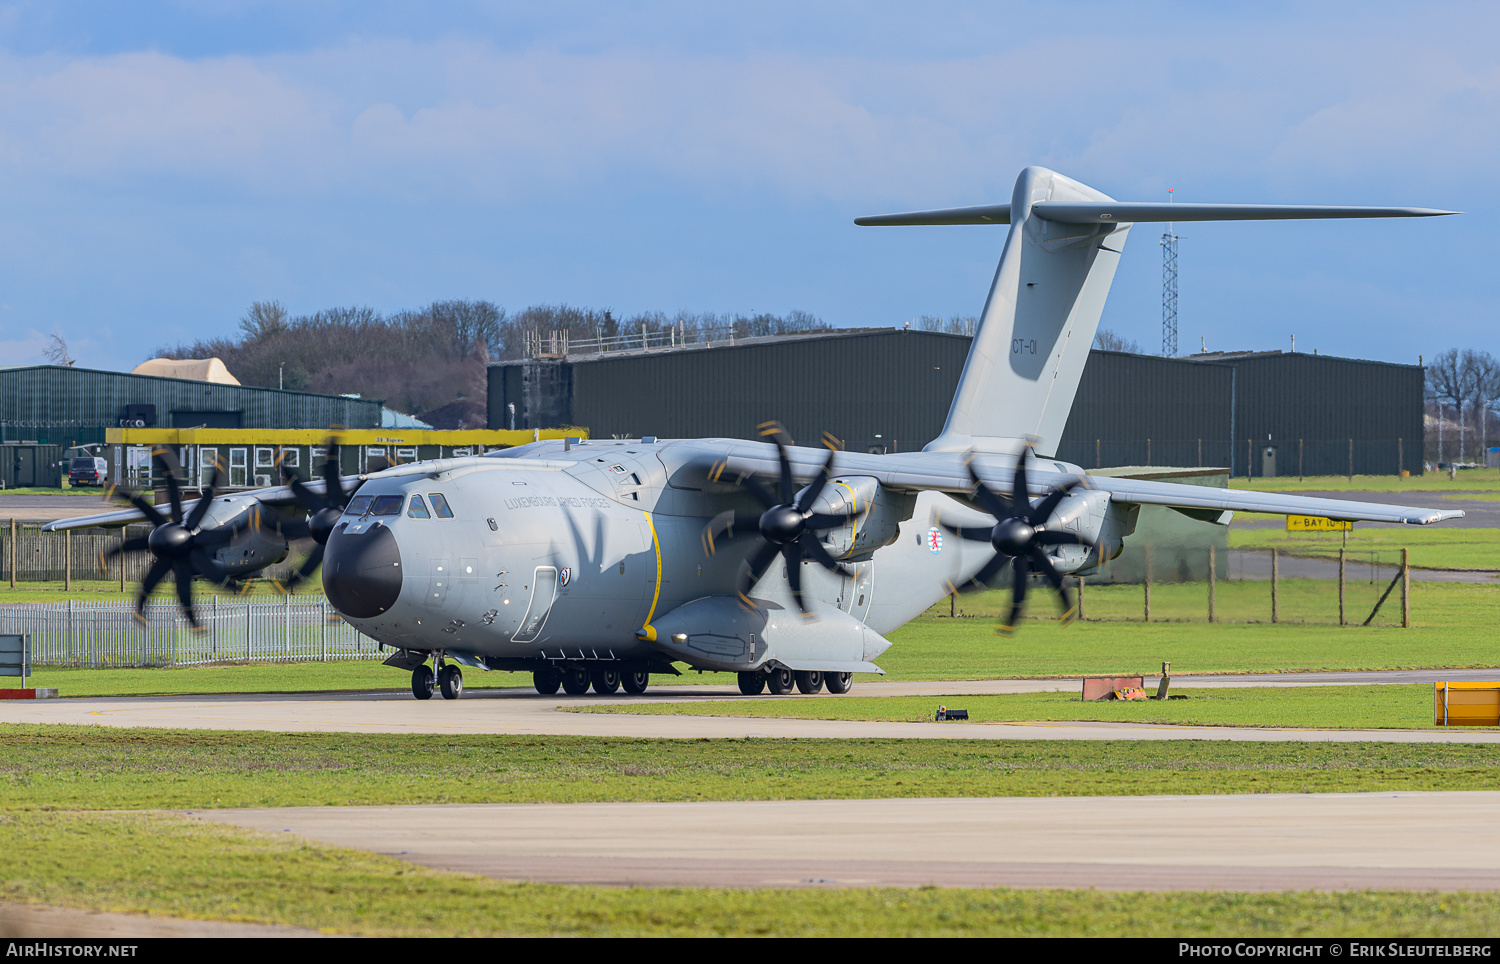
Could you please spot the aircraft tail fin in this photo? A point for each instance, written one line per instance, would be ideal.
(1044, 305)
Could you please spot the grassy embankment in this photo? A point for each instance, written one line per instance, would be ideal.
(57, 784)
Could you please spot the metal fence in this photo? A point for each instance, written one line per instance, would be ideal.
(81, 554)
(289, 629)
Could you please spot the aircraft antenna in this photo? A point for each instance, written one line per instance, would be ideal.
(1169, 289)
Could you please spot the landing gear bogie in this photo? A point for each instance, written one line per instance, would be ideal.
(809, 681)
(635, 683)
(451, 682)
(421, 682)
(839, 683)
(780, 681)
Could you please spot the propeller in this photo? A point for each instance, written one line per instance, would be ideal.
(323, 512)
(787, 527)
(1019, 536)
(181, 548)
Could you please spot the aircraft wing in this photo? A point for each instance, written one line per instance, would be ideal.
(277, 495)
(948, 472)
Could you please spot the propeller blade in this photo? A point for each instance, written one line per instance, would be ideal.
(304, 495)
(989, 500)
(152, 514)
(205, 499)
(334, 495)
(819, 521)
(154, 576)
(1044, 509)
(1020, 492)
(971, 533)
(794, 575)
(1062, 539)
(1018, 589)
(205, 566)
(816, 489)
(757, 566)
(308, 567)
(184, 573)
(813, 549)
(991, 569)
(173, 471)
(1045, 567)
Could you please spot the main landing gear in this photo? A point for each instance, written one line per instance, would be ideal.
(781, 680)
(449, 680)
(576, 681)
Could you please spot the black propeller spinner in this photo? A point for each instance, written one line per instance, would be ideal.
(1019, 536)
(323, 512)
(179, 545)
(788, 527)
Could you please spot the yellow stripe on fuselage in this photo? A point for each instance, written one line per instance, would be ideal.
(648, 631)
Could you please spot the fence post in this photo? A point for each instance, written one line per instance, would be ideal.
(1343, 553)
(1080, 599)
(12, 552)
(68, 559)
(1146, 551)
(286, 625)
(1405, 588)
(323, 626)
(1212, 581)
(121, 556)
(1275, 580)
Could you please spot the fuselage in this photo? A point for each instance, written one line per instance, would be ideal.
(570, 551)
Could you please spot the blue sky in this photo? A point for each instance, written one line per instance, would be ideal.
(162, 165)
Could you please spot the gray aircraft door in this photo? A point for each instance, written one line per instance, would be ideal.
(857, 592)
(543, 592)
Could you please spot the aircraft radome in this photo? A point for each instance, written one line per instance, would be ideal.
(596, 563)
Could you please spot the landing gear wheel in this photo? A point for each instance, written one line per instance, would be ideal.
(575, 682)
(839, 682)
(546, 681)
(780, 681)
(635, 683)
(451, 682)
(421, 682)
(809, 681)
(752, 684)
(605, 681)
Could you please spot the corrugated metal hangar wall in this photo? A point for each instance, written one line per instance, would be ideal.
(75, 405)
(889, 390)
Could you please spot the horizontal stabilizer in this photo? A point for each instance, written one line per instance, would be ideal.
(1071, 212)
(983, 214)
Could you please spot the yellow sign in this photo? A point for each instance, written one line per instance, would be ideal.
(1314, 523)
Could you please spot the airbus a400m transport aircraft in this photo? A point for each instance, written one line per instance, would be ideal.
(596, 563)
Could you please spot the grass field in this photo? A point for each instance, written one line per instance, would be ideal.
(1438, 547)
(97, 768)
(201, 870)
(1469, 480)
(68, 843)
(1324, 707)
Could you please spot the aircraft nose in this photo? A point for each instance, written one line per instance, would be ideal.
(362, 571)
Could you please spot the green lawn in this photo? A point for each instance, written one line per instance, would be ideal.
(1469, 480)
(1436, 547)
(100, 768)
(1326, 707)
(162, 864)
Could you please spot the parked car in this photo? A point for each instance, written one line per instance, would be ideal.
(88, 470)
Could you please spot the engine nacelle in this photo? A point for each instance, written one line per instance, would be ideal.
(256, 544)
(877, 522)
(717, 633)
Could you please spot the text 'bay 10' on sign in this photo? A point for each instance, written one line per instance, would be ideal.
(1314, 523)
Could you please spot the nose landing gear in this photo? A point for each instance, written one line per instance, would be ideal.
(448, 680)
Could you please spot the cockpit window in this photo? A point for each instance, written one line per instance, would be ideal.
(418, 508)
(359, 505)
(387, 505)
(440, 506)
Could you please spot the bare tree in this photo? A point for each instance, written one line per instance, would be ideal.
(1107, 340)
(57, 351)
(264, 320)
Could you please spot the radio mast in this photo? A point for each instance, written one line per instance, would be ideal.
(1169, 289)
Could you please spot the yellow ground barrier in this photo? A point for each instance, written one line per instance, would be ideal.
(1466, 704)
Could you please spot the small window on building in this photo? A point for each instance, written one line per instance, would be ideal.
(418, 508)
(359, 505)
(440, 506)
(264, 458)
(387, 505)
(291, 458)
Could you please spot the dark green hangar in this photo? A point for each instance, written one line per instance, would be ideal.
(885, 390)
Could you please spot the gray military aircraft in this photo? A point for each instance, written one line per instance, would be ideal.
(594, 563)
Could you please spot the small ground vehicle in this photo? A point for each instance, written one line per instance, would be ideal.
(88, 470)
